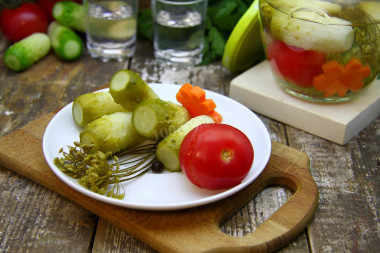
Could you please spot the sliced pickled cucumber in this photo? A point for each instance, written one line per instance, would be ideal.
(312, 31)
(111, 133)
(91, 106)
(129, 89)
(155, 118)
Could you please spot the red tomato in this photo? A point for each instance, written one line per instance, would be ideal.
(23, 21)
(295, 65)
(49, 4)
(216, 156)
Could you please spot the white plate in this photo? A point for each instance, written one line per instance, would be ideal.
(166, 191)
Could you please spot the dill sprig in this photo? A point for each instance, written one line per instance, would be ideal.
(96, 170)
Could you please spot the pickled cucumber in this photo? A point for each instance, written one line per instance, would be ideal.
(168, 149)
(312, 31)
(111, 133)
(129, 89)
(155, 118)
(91, 106)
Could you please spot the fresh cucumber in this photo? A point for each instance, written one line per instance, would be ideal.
(311, 31)
(27, 51)
(129, 89)
(70, 14)
(91, 106)
(66, 44)
(111, 133)
(155, 118)
(168, 149)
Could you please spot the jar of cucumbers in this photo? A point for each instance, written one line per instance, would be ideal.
(322, 50)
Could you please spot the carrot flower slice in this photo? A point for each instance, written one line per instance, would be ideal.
(193, 98)
(338, 79)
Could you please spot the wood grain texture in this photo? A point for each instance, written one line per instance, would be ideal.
(48, 85)
(348, 178)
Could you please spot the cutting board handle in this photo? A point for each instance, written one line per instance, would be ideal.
(290, 219)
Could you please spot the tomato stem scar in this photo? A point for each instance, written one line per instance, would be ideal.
(227, 155)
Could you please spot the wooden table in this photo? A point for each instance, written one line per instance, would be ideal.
(34, 219)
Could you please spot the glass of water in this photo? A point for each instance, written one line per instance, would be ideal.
(111, 27)
(179, 27)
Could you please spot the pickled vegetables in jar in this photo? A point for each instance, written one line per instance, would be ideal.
(322, 50)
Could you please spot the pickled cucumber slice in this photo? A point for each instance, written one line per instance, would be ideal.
(168, 149)
(155, 118)
(91, 106)
(128, 89)
(313, 31)
(111, 133)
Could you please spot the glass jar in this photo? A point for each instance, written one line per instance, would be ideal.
(322, 51)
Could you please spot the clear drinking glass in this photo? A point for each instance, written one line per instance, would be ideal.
(178, 30)
(111, 27)
(322, 50)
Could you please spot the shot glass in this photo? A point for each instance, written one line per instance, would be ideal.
(178, 30)
(111, 27)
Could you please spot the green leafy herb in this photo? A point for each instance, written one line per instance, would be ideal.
(97, 170)
(145, 24)
(222, 17)
(224, 14)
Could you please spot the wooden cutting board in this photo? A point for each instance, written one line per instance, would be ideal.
(194, 229)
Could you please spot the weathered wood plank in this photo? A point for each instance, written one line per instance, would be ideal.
(110, 238)
(48, 85)
(348, 178)
(34, 219)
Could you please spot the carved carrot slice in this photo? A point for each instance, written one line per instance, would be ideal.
(338, 79)
(193, 98)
